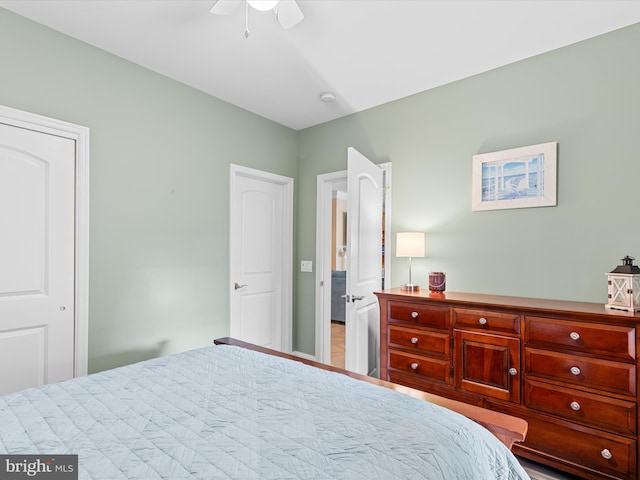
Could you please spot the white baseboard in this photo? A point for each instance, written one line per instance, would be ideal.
(306, 356)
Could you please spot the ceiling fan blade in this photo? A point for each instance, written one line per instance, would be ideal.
(224, 7)
(288, 13)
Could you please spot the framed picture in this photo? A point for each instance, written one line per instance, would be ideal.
(518, 178)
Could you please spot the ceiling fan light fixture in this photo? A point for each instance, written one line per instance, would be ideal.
(263, 5)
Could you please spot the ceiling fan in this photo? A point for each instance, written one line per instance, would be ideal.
(287, 11)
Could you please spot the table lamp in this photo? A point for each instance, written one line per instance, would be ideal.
(410, 244)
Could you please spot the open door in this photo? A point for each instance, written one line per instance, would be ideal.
(364, 263)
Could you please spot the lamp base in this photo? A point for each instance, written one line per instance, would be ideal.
(410, 287)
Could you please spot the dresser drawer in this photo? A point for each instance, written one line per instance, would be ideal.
(431, 316)
(581, 407)
(599, 339)
(424, 342)
(422, 367)
(485, 320)
(588, 372)
(587, 448)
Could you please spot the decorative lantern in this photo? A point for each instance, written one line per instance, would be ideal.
(624, 286)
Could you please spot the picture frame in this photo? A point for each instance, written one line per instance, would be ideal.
(521, 177)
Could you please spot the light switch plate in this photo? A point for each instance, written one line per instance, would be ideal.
(306, 266)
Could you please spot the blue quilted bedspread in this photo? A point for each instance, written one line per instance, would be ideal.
(228, 413)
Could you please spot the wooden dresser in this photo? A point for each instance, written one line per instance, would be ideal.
(568, 368)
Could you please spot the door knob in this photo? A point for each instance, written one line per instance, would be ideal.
(351, 298)
(237, 286)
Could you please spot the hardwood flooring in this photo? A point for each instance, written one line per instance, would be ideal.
(337, 344)
(535, 470)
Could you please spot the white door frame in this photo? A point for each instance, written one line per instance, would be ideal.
(80, 135)
(287, 245)
(324, 189)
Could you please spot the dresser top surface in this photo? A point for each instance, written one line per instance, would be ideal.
(503, 301)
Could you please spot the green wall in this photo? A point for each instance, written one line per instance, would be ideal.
(160, 155)
(585, 96)
(159, 168)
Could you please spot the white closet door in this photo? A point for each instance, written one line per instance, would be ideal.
(37, 231)
(261, 239)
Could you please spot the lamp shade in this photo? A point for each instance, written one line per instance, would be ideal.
(410, 244)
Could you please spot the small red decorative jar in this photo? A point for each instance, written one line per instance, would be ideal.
(437, 282)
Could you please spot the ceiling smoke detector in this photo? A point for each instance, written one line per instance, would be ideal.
(327, 97)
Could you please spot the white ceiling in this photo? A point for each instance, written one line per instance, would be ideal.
(367, 52)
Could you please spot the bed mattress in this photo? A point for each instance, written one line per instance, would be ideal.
(224, 412)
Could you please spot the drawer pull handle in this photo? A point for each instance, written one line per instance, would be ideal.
(513, 371)
(414, 314)
(574, 336)
(414, 340)
(575, 370)
(482, 321)
(414, 366)
(574, 406)
(606, 454)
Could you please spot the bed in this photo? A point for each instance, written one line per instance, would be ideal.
(232, 411)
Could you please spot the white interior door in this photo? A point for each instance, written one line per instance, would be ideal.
(364, 263)
(261, 232)
(37, 222)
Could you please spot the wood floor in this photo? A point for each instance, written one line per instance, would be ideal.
(535, 471)
(337, 344)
